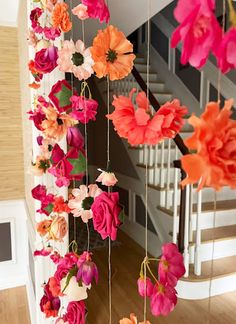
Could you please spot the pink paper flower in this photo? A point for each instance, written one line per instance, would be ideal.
(80, 11)
(199, 30)
(43, 252)
(46, 59)
(163, 299)
(32, 38)
(97, 9)
(58, 229)
(84, 197)
(64, 265)
(143, 288)
(74, 58)
(106, 212)
(225, 52)
(171, 267)
(75, 313)
(74, 138)
(40, 193)
(51, 32)
(107, 178)
(83, 109)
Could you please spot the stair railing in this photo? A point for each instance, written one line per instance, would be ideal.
(164, 164)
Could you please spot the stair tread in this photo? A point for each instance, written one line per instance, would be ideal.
(208, 206)
(221, 267)
(158, 165)
(217, 233)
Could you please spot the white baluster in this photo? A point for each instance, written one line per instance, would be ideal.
(186, 232)
(156, 169)
(191, 213)
(197, 257)
(162, 173)
(175, 200)
(167, 202)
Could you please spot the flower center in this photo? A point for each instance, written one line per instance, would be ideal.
(59, 121)
(44, 164)
(77, 59)
(50, 147)
(161, 289)
(87, 203)
(165, 265)
(111, 56)
(201, 26)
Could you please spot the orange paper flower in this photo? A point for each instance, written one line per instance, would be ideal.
(214, 139)
(61, 18)
(112, 54)
(132, 320)
(43, 227)
(55, 125)
(34, 85)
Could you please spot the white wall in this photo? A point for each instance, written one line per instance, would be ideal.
(8, 12)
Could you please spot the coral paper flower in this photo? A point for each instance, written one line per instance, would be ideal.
(40, 166)
(132, 320)
(97, 9)
(61, 18)
(106, 212)
(75, 58)
(171, 266)
(46, 59)
(199, 30)
(225, 52)
(43, 227)
(83, 109)
(80, 11)
(55, 125)
(107, 178)
(60, 206)
(84, 197)
(163, 299)
(214, 138)
(112, 54)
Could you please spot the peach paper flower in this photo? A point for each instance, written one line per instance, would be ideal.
(55, 125)
(75, 58)
(41, 165)
(58, 229)
(43, 227)
(80, 11)
(132, 320)
(61, 18)
(112, 54)
(214, 140)
(107, 178)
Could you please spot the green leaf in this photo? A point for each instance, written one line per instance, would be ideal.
(49, 208)
(79, 164)
(63, 96)
(71, 274)
(122, 216)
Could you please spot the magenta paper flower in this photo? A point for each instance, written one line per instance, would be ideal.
(83, 109)
(51, 33)
(75, 313)
(75, 58)
(49, 304)
(171, 266)
(64, 265)
(60, 95)
(145, 289)
(88, 272)
(43, 252)
(40, 193)
(34, 17)
(163, 299)
(97, 9)
(46, 59)
(225, 52)
(199, 30)
(84, 197)
(37, 115)
(74, 138)
(106, 211)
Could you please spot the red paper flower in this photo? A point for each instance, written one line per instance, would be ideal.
(106, 212)
(60, 95)
(214, 138)
(49, 304)
(46, 59)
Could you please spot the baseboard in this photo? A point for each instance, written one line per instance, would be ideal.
(31, 298)
(12, 282)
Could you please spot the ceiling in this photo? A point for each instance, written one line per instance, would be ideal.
(8, 12)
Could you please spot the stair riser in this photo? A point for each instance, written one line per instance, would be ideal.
(140, 60)
(222, 249)
(162, 98)
(157, 87)
(152, 77)
(141, 67)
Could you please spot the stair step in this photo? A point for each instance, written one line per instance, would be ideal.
(140, 60)
(152, 76)
(158, 165)
(221, 267)
(163, 97)
(217, 234)
(157, 87)
(221, 205)
(141, 67)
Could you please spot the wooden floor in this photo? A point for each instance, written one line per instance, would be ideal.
(126, 260)
(14, 306)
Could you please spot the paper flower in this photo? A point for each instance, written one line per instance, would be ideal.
(75, 313)
(55, 124)
(80, 11)
(112, 54)
(214, 137)
(40, 166)
(84, 197)
(49, 304)
(74, 138)
(225, 51)
(64, 265)
(72, 290)
(163, 299)
(171, 266)
(145, 288)
(87, 272)
(58, 229)
(40, 193)
(34, 17)
(46, 59)
(54, 287)
(139, 126)
(74, 58)
(106, 211)
(132, 320)
(107, 178)
(60, 95)
(97, 9)
(60, 206)
(83, 109)
(43, 227)
(43, 252)
(199, 30)
(61, 18)
(32, 38)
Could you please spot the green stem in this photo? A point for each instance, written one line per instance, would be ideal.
(232, 13)
(151, 273)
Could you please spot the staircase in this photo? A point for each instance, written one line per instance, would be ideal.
(207, 234)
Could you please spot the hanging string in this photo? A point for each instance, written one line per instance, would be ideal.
(215, 196)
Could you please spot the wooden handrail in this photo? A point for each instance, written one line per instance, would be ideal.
(153, 101)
